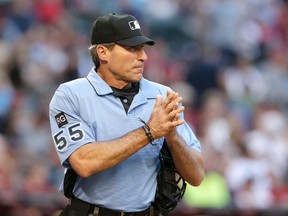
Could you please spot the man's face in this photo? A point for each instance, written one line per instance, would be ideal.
(126, 64)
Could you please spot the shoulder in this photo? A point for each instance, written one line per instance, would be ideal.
(74, 84)
(71, 91)
(71, 94)
(77, 86)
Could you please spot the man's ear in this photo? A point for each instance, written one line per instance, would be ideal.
(103, 52)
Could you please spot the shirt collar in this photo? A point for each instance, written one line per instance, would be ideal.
(100, 86)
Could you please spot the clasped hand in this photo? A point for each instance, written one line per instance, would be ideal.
(165, 115)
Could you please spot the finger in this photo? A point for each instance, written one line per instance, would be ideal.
(174, 96)
(176, 99)
(171, 106)
(168, 93)
(179, 99)
(177, 122)
(176, 103)
(177, 117)
(176, 113)
(168, 99)
(159, 100)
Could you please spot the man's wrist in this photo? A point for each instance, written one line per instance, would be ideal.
(147, 132)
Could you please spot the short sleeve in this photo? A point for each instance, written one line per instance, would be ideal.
(69, 131)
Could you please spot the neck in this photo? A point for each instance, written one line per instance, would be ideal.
(111, 81)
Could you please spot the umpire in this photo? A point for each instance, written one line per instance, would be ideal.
(109, 127)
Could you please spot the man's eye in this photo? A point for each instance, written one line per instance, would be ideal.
(133, 49)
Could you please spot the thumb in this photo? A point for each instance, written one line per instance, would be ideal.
(159, 100)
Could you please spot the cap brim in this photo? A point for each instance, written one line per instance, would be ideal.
(136, 41)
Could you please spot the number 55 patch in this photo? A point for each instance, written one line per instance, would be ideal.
(75, 134)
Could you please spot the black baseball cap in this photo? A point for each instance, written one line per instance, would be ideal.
(123, 29)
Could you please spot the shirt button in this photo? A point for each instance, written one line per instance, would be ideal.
(125, 100)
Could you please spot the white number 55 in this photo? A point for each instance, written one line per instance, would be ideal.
(75, 134)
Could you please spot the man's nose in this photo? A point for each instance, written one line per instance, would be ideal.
(142, 55)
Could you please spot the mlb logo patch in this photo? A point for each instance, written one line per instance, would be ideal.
(134, 25)
(61, 119)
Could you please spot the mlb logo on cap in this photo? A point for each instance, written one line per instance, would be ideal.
(134, 25)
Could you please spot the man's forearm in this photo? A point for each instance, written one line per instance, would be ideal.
(98, 156)
(189, 162)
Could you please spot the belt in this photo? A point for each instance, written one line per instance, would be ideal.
(80, 205)
(109, 212)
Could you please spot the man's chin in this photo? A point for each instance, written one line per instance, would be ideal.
(137, 78)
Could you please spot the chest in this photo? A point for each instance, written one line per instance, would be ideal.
(107, 117)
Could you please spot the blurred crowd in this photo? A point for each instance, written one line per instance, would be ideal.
(227, 58)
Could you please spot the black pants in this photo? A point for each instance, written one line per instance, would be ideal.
(69, 212)
(77, 207)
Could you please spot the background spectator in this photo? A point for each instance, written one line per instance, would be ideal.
(228, 58)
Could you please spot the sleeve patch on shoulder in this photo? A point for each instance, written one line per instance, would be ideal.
(61, 119)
